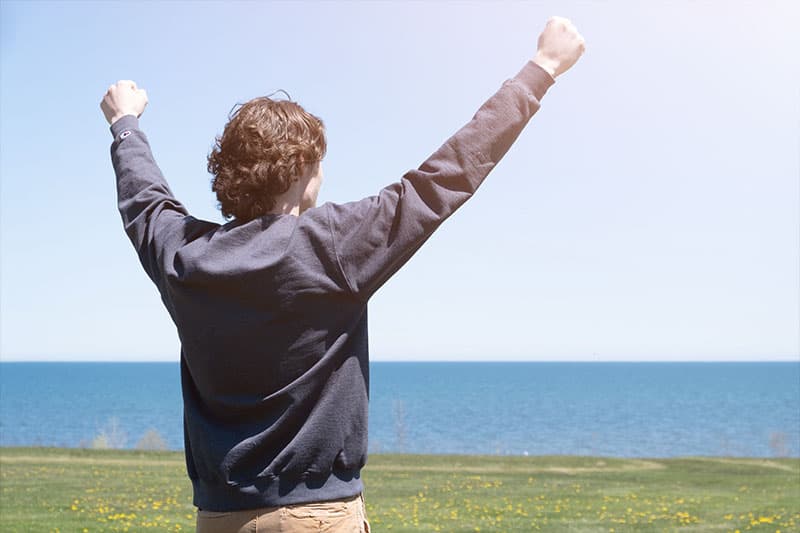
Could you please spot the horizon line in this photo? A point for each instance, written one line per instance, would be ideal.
(783, 360)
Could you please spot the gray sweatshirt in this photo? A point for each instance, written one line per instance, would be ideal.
(272, 313)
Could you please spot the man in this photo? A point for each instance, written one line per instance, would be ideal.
(271, 307)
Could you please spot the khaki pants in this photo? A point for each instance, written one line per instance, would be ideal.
(345, 516)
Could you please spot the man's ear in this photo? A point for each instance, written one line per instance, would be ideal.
(309, 168)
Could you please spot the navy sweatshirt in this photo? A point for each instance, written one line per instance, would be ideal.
(272, 313)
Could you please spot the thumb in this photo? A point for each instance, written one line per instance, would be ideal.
(143, 95)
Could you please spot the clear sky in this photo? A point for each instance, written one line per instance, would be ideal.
(648, 212)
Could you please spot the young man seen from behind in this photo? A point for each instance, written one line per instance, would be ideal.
(271, 307)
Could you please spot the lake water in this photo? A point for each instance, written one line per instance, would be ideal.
(610, 409)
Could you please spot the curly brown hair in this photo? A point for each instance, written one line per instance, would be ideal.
(263, 149)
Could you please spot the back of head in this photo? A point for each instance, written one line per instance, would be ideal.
(262, 150)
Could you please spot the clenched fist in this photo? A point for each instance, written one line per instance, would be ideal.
(123, 98)
(560, 45)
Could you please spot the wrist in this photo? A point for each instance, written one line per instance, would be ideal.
(549, 65)
(119, 116)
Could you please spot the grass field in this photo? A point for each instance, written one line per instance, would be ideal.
(51, 489)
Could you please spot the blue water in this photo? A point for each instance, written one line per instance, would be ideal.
(611, 409)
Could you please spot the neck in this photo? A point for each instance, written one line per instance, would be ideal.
(296, 199)
(286, 208)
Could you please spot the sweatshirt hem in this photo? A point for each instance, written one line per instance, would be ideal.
(276, 492)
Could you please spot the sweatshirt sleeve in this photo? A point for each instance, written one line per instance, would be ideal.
(145, 202)
(375, 236)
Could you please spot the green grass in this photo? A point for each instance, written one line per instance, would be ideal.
(51, 489)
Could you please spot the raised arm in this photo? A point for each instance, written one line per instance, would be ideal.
(374, 237)
(145, 201)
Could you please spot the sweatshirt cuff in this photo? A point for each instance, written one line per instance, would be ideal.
(534, 78)
(122, 125)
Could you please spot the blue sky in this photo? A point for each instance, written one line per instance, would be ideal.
(650, 211)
